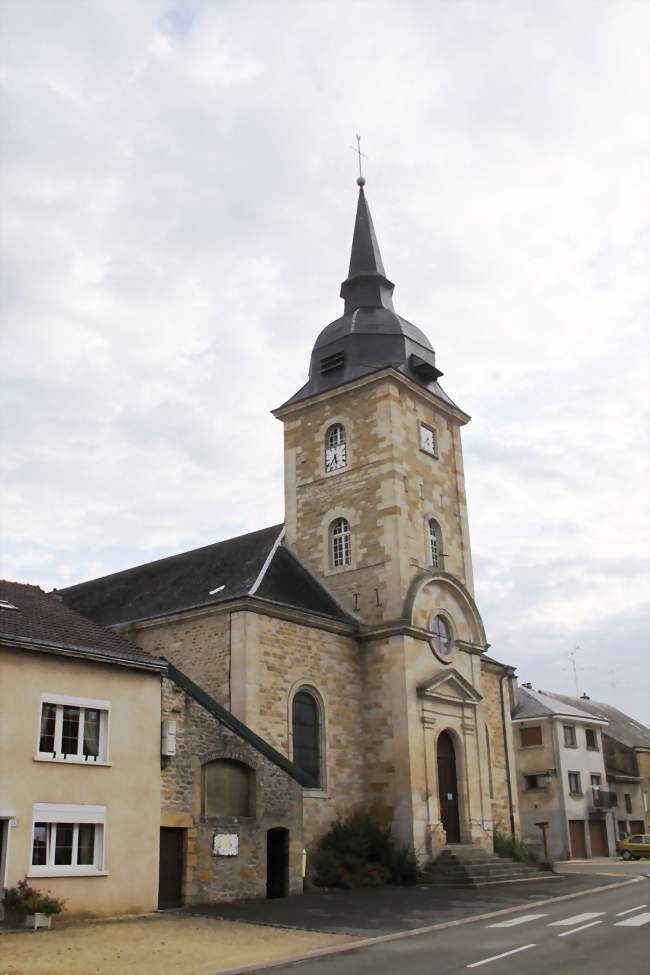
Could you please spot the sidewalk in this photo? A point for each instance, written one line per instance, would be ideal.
(388, 910)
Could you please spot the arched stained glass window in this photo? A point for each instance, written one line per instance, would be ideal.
(435, 544)
(227, 788)
(340, 540)
(305, 720)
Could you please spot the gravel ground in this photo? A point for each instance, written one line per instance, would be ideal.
(170, 943)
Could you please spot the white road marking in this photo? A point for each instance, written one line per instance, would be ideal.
(581, 928)
(504, 954)
(517, 920)
(631, 910)
(634, 922)
(576, 919)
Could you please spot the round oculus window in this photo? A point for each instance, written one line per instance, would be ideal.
(441, 643)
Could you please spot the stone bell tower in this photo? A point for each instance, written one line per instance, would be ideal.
(376, 509)
(367, 514)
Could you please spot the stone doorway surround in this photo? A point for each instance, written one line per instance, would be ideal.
(449, 703)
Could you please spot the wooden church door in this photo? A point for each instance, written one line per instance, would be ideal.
(448, 788)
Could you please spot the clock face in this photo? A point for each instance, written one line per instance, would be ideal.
(428, 439)
(335, 458)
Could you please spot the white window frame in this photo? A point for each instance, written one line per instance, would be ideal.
(54, 813)
(571, 728)
(340, 543)
(64, 700)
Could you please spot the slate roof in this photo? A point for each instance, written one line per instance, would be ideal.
(620, 727)
(256, 565)
(42, 622)
(537, 704)
(370, 335)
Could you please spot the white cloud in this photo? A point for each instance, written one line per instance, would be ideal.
(179, 201)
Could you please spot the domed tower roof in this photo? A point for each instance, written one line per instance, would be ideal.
(370, 335)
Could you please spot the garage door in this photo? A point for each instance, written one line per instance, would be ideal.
(577, 835)
(598, 838)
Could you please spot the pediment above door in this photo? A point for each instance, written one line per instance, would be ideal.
(450, 686)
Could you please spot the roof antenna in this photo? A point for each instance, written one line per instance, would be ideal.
(361, 180)
(575, 669)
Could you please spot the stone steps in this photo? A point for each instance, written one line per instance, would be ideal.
(472, 867)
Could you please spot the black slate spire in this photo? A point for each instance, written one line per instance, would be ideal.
(366, 285)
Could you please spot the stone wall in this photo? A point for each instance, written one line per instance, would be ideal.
(200, 738)
(293, 656)
(197, 643)
(388, 491)
(491, 713)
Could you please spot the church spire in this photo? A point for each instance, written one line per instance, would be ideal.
(366, 284)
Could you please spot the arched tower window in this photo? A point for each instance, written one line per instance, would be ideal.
(305, 721)
(227, 788)
(340, 541)
(335, 448)
(435, 544)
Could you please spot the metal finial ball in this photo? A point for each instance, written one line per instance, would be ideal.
(361, 181)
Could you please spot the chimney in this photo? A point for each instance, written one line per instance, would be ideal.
(528, 686)
(585, 697)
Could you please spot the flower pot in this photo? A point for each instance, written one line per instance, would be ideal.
(38, 920)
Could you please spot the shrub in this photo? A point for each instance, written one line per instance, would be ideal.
(507, 845)
(360, 852)
(24, 899)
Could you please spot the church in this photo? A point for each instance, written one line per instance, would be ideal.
(349, 638)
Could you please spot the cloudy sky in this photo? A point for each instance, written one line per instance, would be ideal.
(178, 198)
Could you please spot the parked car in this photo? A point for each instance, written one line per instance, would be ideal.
(634, 847)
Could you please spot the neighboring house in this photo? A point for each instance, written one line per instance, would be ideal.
(561, 776)
(91, 809)
(79, 757)
(349, 638)
(626, 746)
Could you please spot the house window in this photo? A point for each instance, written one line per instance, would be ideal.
(569, 736)
(435, 544)
(341, 546)
(574, 784)
(335, 448)
(67, 839)
(306, 736)
(538, 781)
(591, 738)
(531, 736)
(73, 729)
(441, 636)
(628, 802)
(595, 782)
(227, 789)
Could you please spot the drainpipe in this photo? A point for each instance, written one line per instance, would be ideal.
(507, 754)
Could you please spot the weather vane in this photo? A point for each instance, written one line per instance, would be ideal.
(361, 181)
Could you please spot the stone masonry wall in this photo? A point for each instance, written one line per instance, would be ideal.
(200, 738)
(492, 719)
(198, 644)
(388, 491)
(291, 656)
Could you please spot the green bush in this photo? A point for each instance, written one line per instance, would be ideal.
(360, 852)
(507, 845)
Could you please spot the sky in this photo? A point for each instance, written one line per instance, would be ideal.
(178, 196)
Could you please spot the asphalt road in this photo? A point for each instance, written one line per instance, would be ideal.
(605, 933)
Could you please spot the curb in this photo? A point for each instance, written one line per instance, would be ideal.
(414, 932)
